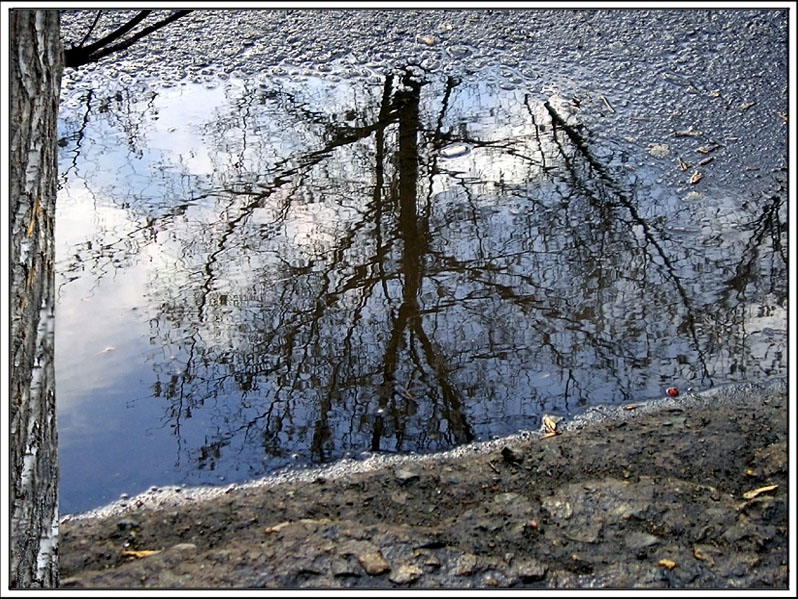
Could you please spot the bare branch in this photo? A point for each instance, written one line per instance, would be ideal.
(76, 57)
(93, 25)
(116, 34)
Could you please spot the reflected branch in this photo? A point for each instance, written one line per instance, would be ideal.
(581, 145)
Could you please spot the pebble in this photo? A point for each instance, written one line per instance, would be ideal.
(399, 497)
(126, 524)
(641, 540)
(405, 475)
(557, 508)
(373, 563)
(512, 455)
(530, 570)
(340, 566)
(405, 573)
(465, 564)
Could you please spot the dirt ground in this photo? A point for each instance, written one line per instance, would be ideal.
(689, 492)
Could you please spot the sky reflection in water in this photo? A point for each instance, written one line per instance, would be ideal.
(267, 274)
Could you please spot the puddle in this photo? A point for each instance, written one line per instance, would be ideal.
(267, 273)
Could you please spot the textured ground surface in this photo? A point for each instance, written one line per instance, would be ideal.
(684, 493)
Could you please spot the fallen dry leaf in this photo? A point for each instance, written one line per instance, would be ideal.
(702, 555)
(707, 149)
(666, 563)
(276, 527)
(760, 490)
(696, 177)
(138, 554)
(689, 132)
(550, 425)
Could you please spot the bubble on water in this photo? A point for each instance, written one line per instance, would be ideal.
(529, 73)
(459, 51)
(508, 60)
(431, 64)
(693, 196)
(455, 150)
(349, 73)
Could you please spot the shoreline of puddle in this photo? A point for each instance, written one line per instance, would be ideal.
(176, 496)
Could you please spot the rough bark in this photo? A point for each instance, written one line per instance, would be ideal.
(35, 65)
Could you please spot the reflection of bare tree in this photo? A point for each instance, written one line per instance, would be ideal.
(617, 198)
(402, 109)
(127, 111)
(765, 242)
(337, 284)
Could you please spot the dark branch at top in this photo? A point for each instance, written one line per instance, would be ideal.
(80, 55)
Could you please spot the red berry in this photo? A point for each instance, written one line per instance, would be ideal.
(672, 391)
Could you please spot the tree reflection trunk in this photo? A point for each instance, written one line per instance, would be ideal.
(35, 80)
(414, 241)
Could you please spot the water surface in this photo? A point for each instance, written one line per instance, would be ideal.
(256, 274)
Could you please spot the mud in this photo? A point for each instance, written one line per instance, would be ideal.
(689, 492)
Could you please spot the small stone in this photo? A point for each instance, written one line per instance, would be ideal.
(405, 573)
(465, 564)
(450, 478)
(557, 508)
(373, 563)
(513, 504)
(640, 540)
(512, 455)
(405, 475)
(184, 548)
(126, 524)
(587, 532)
(430, 560)
(530, 570)
(399, 497)
(659, 150)
(343, 567)
(179, 553)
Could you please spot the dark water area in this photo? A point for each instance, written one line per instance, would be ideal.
(267, 273)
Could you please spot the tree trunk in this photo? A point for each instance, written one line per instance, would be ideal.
(35, 65)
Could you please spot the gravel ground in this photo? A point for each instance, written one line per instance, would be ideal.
(688, 492)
